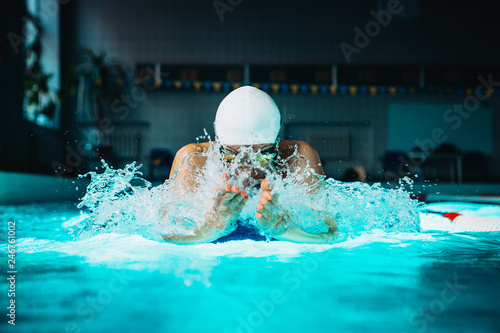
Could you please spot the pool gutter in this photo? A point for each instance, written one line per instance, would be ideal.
(23, 188)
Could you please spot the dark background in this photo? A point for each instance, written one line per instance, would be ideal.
(427, 34)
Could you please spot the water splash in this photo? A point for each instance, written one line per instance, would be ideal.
(121, 201)
(118, 200)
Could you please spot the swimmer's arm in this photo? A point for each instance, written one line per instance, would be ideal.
(213, 228)
(273, 218)
(297, 235)
(218, 221)
(198, 237)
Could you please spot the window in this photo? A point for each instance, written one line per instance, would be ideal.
(42, 81)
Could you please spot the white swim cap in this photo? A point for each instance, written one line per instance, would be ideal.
(247, 116)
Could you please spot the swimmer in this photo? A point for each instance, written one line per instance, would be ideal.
(247, 125)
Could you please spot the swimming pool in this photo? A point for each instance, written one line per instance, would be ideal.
(374, 282)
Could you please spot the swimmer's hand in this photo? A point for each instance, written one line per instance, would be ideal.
(273, 218)
(228, 203)
(270, 215)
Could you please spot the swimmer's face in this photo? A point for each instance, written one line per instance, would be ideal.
(236, 149)
(265, 154)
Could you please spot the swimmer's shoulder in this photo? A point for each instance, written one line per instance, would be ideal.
(194, 148)
(288, 147)
(185, 151)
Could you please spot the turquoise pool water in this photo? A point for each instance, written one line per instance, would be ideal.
(374, 282)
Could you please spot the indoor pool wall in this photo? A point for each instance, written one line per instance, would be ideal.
(22, 188)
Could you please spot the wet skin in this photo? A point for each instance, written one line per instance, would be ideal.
(230, 200)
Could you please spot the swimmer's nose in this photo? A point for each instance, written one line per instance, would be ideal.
(250, 182)
(242, 168)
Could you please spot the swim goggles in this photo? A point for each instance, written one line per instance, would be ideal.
(263, 157)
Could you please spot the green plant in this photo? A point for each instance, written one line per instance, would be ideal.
(38, 97)
(104, 81)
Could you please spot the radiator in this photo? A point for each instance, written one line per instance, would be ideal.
(331, 145)
(126, 144)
